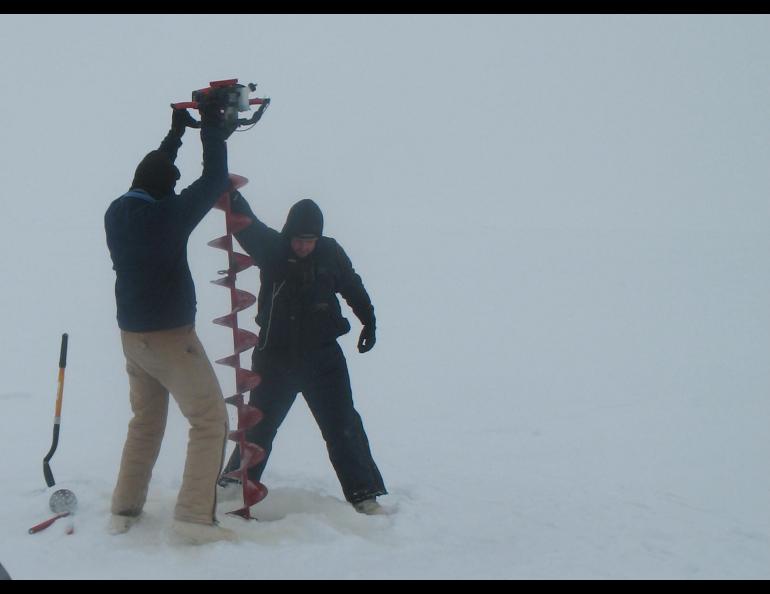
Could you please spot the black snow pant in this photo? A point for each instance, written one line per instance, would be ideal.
(4, 574)
(322, 377)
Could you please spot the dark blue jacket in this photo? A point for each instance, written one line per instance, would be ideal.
(147, 239)
(297, 306)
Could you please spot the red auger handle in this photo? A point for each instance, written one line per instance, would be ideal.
(194, 104)
(212, 85)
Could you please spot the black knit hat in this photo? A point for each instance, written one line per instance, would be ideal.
(156, 174)
(305, 220)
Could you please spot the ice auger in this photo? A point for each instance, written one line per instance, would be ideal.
(233, 98)
(243, 340)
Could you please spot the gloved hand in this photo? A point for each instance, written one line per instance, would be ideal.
(211, 114)
(239, 205)
(367, 339)
(180, 120)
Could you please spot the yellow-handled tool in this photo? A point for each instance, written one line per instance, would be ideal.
(57, 417)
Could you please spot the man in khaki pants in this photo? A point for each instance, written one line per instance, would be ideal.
(147, 231)
(158, 363)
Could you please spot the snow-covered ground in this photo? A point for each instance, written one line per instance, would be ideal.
(562, 221)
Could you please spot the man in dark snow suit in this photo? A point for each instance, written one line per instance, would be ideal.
(300, 319)
(147, 232)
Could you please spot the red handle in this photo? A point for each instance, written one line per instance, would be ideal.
(185, 105)
(194, 104)
(47, 523)
(223, 83)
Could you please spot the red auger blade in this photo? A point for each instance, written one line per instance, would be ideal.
(244, 513)
(237, 181)
(223, 243)
(230, 360)
(244, 340)
(236, 400)
(243, 300)
(227, 320)
(251, 455)
(240, 262)
(225, 281)
(246, 381)
(254, 492)
(248, 416)
(236, 436)
(238, 222)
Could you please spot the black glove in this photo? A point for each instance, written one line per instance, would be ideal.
(212, 116)
(239, 205)
(180, 120)
(367, 339)
(211, 113)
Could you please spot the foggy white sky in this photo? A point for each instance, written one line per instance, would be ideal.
(490, 175)
(440, 147)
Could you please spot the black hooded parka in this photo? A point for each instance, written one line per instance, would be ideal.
(300, 320)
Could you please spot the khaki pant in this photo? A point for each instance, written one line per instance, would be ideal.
(158, 363)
